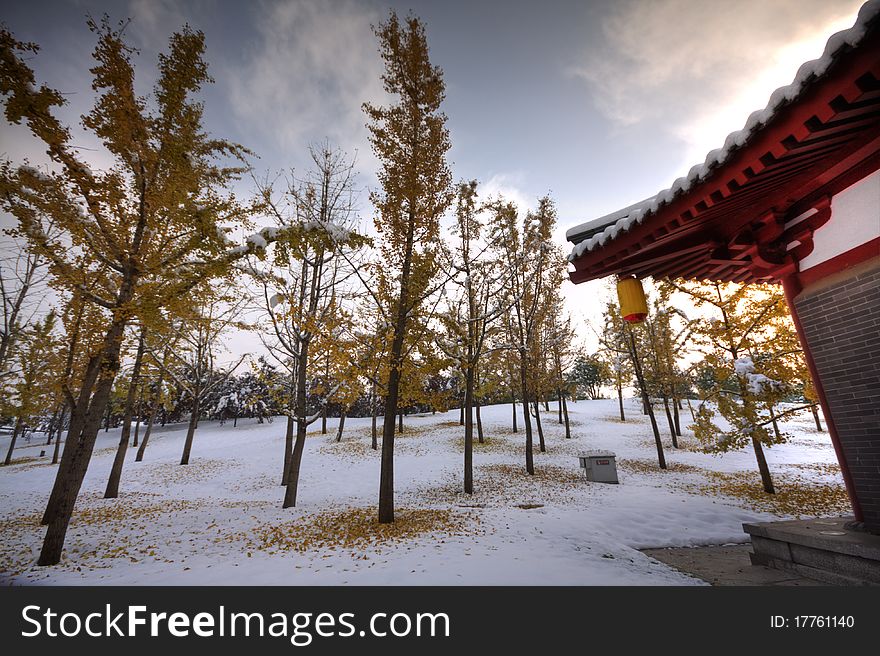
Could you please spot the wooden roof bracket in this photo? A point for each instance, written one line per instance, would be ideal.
(798, 238)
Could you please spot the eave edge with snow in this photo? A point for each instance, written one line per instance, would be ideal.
(596, 233)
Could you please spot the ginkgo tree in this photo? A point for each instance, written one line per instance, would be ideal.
(626, 343)
(158, 359)
(472, 316)
(614, 352)
(304, 289)
(410, 139)
(740, 326)
(532, 259)
(561, 338)
(194, 366)
(665, 338)
(38, 363)
(370, 338)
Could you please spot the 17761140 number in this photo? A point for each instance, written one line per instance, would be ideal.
(813, 621)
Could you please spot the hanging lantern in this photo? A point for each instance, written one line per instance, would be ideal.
(631, 296)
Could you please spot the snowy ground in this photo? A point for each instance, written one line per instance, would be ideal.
(219, 520)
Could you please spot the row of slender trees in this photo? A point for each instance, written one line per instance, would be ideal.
(146, 277)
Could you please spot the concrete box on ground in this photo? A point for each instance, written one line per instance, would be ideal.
(599, 466)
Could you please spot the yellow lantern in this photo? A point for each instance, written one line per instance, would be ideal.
(631, 296)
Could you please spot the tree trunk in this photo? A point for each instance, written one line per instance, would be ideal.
(324, 421)
(137, 429)
(766, 479)
(53, 428)
(646, 403)
(290, 492)
(341, 426)
(74, 434)
(469, 432)
(57, 450)
(386, 473)
(400, 421)
(527, 420)
(386, 470)
(143, 447)
(392, 397)
(513, 405)
(540, 427)
(669, 421)
(72, 476)
(140, 414)
(461, 414)
(152, 418)
(191, 429)
(620, 400)
(288, 449)
(816, 418)
(112, 490)
(479, 421)
(15, 432)
(565, 416)
(676, 418)
(661, 458)
(750, 410)
(774, 422)
(85, 422)
(559, 403)
(375, 413)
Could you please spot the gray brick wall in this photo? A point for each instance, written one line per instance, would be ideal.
(841, 323)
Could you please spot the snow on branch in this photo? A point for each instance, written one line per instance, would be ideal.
(756, 383)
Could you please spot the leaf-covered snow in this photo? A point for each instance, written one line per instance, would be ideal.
(218, 520)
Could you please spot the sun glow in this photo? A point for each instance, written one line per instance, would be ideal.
(709, 129)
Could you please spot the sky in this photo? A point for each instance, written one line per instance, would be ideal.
(598, 103)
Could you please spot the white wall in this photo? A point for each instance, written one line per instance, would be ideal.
(855, 220)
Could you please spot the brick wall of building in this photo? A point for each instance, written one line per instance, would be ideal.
(841, 322)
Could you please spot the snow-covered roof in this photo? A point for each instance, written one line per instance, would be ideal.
(596, 233)
(588, 229)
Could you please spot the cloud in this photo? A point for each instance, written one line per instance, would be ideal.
(509, 187)
(313, 67)
(696, 68)
(153, 21)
